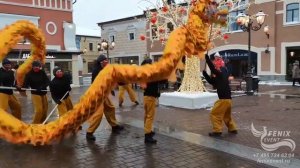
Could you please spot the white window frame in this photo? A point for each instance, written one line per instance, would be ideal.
(111, 38)
(111, 32)
(285, 3)
(131, 29)
(131, 32)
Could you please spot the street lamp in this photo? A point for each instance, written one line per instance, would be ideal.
(246, 24)
(266, 30)
(105, 45)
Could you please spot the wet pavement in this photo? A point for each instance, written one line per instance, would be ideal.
(182, 137)
(124, 150)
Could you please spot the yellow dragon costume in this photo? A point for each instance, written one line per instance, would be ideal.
(190, 39)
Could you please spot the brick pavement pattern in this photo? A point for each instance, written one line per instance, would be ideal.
(277, 108)
(124, 150)
(109, 150)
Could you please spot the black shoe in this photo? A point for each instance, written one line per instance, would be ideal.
(117, 128)
(149, 139)
(136, 103)
(90, 137)
(215, 134)
(152, 133)
(233, 132)
(120, 104)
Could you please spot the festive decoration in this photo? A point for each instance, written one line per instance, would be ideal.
(172, 15)
(192, 83)
(190, 39)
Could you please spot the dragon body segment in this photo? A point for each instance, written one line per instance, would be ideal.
(190, 39)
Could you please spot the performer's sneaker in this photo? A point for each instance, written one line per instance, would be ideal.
(136, 103)
(233, 132)
(90, 137)
(116, 129)
(215, 134)
(120, 104)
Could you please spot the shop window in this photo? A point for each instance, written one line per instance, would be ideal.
(47, 69)
(91, 46)
(292, 12)
(90, 67)
(131, 36)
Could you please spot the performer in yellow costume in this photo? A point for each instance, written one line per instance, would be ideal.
(106, 107)
(7, 97)
(60, 88)
(37, 80)
(222, 108)
(126, 87)
(151, 93)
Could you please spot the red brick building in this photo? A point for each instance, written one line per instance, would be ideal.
(54, 17)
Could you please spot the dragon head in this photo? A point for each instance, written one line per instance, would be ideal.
(204, 13)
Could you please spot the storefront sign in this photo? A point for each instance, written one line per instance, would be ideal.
(236, 54)
(25, 56)
(50, 55)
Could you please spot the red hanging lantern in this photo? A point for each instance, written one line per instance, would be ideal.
(164, 9)
(142, 37)
(153, 20)
(161, 30)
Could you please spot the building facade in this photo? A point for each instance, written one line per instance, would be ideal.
(125, 33)
(88, 42)
(272, 55)
(54, 18)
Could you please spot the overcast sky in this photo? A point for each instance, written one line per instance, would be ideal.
(87, 13)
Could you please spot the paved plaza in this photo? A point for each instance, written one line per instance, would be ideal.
(181, 134)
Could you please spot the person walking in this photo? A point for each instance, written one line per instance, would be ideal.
(7, 97)
(60, 86)
(296, 72)
(106, 107)
(126, 87)
(151, 93)
(38, 81)
(221, 110)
